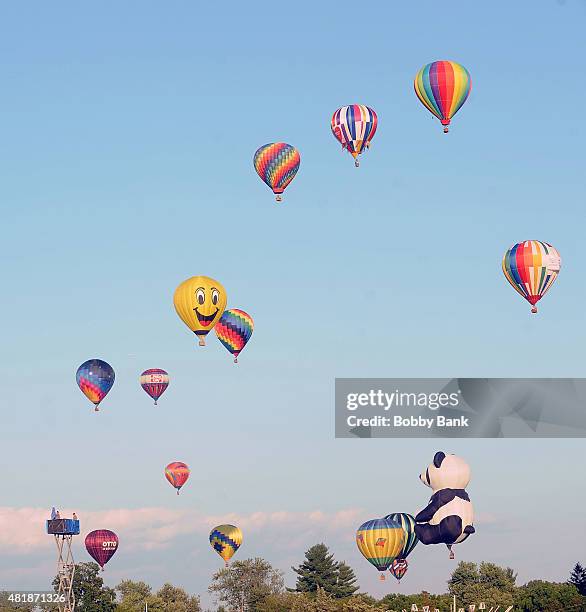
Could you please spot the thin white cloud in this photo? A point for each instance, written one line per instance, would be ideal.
(22, 530)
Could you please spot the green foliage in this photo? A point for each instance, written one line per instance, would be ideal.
(245, 585)
(8, 606)
(541, 595)
(88, 587)
(321, 571)
(578, 578)
(318, 571)
(487, 582)
(177, 599)
(319, 601)
(134, 595)
(345, 581)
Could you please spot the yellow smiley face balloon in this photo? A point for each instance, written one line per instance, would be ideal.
(200, 302)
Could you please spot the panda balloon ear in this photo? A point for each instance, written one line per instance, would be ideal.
(438, 458)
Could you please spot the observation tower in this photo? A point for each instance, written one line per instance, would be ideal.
(63, 530)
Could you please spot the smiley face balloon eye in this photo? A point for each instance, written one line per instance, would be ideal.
(200, 302)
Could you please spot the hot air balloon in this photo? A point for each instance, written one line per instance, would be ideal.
(407, 523)
(226, 540)
(354, 127)
(177, 474)
(449, 516)
(442, 87)
(234, 330)
(399, 568)
(380, 541)
(95, 378)
(154, 382)
(101, 545)
(532, 267)
(200, 302)
(277, 164)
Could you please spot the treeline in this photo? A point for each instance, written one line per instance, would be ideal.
(322, 585)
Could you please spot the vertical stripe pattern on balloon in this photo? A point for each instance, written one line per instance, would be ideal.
(354, 126)
(380, 541)
(531, 267)
(443, 87)
(154, 381)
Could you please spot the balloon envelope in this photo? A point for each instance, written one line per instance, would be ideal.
(226, 540)
(101, 545)
(177, 474)
(95, 379)
(200, 301)
(354, 127)
(531, 267)
(443, 87)
(399, 568)
(155, 382)
(234, 330)
(277, 164)
(380, 541)
(407, 523)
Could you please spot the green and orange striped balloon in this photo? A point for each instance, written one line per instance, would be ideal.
(442, 87)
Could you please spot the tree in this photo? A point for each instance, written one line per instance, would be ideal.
(346, 581)
(134, 595)
(539, 595)
(9, 606)
(488, 582)
(578, 578)
(318, 571)
(244, 585)
(177, 599)
(88, 587)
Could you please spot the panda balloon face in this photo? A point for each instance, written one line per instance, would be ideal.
(446, 472)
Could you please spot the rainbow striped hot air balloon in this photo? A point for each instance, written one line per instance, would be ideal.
(531, 268)
(234, 330)
(226, 540)
(380, 541)
(277, 164)
(155, 382)
(442, 87)
(354, 127)
(95, 379)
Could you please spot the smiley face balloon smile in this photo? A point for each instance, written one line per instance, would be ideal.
(200, 302)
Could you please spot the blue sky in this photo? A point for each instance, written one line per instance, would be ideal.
(126, 143)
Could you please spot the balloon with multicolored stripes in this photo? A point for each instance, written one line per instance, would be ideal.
(381, 542)
(226, 540)
(531, 267)
(277, 164)
(177, 474)
(95, 379)
(443, 87)
(234, 330)
(354, 127)
(155, 382)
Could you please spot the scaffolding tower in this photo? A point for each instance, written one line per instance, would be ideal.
(63, 530)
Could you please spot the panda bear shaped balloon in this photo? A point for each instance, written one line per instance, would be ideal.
(449, 516)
